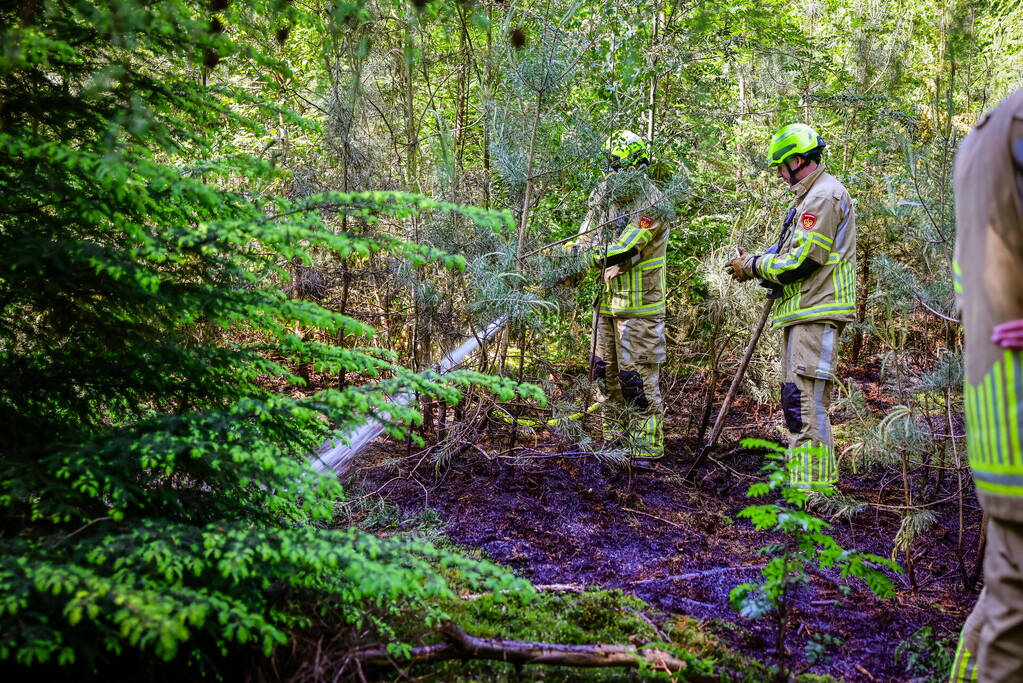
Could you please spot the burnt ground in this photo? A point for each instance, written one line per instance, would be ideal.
(678, 545)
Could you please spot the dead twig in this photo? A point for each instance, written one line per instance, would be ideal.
(864, 672)
(647, 514)
(83, 528)
(657, 631)
(697, 575)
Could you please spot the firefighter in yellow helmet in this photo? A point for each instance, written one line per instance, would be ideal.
(811, 270)
(988, 277)
(625, 236)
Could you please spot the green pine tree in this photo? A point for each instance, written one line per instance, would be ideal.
(155, 496)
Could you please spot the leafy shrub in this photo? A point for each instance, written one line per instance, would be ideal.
(804, 544)
(155, 494)
(925, 657)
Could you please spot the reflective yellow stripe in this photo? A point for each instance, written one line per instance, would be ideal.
(637, 288)
(650, 441)
(814, 312)
(1012, 370)
(843, 279)
(656, 307)
(957, 277)
(772, 266)
(626, 291)
(636, 237)
(821, 239)
(993, 413)
(964, 666)
(812, 463)
(987, 410)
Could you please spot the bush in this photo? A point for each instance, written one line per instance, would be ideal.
(155, 494)
(803, 544)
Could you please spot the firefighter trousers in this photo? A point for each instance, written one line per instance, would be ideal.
(808, 356)
(991, 644)
(627, 360)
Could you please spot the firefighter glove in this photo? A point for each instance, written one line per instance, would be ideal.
(741, 267)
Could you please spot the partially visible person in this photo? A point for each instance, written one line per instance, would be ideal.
(988, 276)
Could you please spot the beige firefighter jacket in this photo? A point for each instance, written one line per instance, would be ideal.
(988, 277)
(633, 264)
(823, 228)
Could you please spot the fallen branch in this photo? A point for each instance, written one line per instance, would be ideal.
(540, 588)
(647, 514)
(697, 575)
(461, 645)
(559, 587)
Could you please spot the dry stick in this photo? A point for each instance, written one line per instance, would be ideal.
(736, 381)
(594, 327)
(865, 672)
(461, 645)
(522, 367)
(584, 232)
(592, 360)
(539, 587)
(959, 485)
(527, 197)
(708, 402)
(647, 514)
(691, 576)
(978, 562)
(907, 497)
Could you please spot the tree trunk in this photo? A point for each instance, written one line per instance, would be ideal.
(652, 96)
(978, 562)
(346, 278)
(527, 194)
(861, 305)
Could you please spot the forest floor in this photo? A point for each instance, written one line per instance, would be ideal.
(679, 545)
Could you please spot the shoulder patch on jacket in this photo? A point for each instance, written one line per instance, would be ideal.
(809, 220)
(645, 222)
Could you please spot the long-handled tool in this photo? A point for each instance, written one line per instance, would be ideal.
(736, 381)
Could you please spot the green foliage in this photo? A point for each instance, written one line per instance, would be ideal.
(925, 657)
(155, 492)
(819, 647)
(804, 544)
(153, 585)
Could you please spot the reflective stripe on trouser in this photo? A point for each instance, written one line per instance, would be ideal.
(629, 353)
(991, 644)
(964, 666)
(808, 356)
